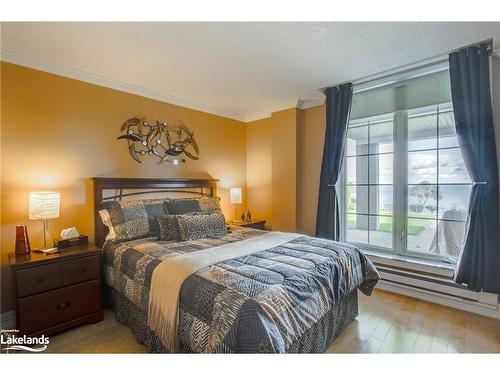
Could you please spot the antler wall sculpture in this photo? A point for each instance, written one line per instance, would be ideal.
(159, 140)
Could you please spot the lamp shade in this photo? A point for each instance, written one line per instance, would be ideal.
(44, 205)
(235, 196)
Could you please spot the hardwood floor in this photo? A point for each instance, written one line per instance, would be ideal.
(387, 323)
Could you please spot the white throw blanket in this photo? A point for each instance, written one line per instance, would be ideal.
(170, 274)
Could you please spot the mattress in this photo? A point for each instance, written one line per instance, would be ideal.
(295, 297)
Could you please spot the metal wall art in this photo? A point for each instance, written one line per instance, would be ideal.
(166, 143)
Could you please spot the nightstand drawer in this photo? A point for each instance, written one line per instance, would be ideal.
(79, 270)
(51, 308)
(38, 279)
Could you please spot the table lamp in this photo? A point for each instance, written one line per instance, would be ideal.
(235, 198)
(44, 205)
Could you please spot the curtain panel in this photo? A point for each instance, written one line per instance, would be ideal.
(338, 107)
(479, 261)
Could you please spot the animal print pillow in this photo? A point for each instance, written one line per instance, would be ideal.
(201, 225)
(128, 220)
(169, 228)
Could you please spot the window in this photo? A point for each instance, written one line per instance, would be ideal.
(405, 183)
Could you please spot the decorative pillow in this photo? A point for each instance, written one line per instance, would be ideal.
(182, 206)
(202, 225)
(132, 219)
(188, 205)
(106, 219)
(169, 228)
(210, 204)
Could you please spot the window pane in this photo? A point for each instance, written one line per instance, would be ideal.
(422, 201)
(381, 231)
(356, 199)
(357, 170)
(422, 132)
(422, 167)
(381, 169)
(381, 200)
(447, 132)
(452, 168)
(449, 238)
(356, 137)
(421, 235)
(381, 137)
(357, 228)
(453, 202)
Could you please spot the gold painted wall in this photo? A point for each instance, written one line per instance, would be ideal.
(259, 170)
(284, 169)
(284, 153)
(272, 168)
(310, 144)
(57, 133)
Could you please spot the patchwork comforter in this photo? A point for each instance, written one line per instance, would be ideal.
(263, 302)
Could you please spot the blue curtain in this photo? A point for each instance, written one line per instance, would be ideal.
(479, 261)
(338, 107)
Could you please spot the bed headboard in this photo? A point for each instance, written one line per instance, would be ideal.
(111, 188)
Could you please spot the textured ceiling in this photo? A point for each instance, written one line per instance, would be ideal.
(242, 69)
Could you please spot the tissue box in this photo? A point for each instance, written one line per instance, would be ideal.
(80, 240)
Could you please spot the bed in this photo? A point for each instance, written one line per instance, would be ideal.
(296, 297)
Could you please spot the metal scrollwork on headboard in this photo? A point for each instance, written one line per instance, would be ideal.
(166, 143)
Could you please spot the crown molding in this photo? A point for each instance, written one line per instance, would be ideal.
(283, 105)
(64, 71)
(49, 67)
(269, 110)
(309, 103)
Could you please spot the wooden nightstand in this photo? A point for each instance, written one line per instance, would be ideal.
(255, 224)
(58, 291)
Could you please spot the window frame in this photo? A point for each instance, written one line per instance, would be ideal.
(400, 188)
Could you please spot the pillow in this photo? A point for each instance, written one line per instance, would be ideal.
(182, 206)
(188, 205)
(210, 204)
(106, 219)
(169, 228)
(201, 225)
(129, 220)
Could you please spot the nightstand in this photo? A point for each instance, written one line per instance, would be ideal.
(255, 224)
(58, 291)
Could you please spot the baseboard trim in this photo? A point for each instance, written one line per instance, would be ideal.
(449, 301)
(8, 320)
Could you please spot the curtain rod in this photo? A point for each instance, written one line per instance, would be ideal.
(359, 84)
(408, 68)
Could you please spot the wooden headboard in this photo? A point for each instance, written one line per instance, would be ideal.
(129, 187)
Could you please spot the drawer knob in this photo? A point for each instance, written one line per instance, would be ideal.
(82, 269)
(63, 305)
(39, 279)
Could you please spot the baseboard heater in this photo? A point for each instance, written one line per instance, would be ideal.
(437, 289)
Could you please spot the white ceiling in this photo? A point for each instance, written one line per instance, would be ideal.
(239, 70)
